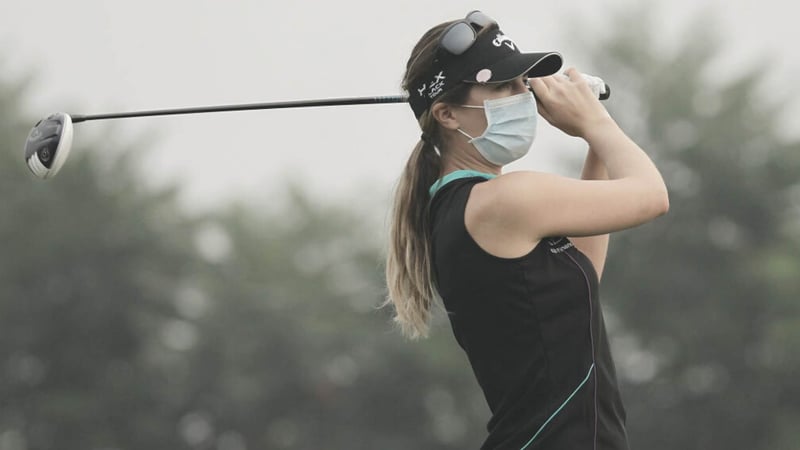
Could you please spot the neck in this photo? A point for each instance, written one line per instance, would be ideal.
(490, 169)
(466, 157)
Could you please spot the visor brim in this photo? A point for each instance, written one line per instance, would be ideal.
(533, 65)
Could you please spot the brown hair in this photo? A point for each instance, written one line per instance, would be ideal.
(408, 264)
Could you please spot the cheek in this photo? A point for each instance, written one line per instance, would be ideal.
(474, 123)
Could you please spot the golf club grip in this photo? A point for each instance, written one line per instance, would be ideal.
(605, 95)
(246, 107)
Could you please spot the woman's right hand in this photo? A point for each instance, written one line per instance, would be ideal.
(567, 102)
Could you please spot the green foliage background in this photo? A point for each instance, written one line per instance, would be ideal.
(126, 323)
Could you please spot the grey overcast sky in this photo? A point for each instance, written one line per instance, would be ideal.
(97, 56)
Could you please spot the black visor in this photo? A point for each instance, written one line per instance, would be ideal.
(469, 56)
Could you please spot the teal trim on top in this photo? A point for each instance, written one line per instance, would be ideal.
(458, 174)
(591, 369)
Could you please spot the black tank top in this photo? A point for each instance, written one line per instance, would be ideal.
(533, 332)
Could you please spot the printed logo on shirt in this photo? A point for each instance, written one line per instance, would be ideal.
(559, 245)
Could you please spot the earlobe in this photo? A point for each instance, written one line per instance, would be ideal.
(443, 113)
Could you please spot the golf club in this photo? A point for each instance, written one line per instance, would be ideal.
(50, 140)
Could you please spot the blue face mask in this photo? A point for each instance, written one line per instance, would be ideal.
(511, 128)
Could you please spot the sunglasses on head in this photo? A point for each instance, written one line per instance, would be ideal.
(459, 36)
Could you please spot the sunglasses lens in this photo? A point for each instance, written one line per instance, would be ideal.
(458, 38)
(480, 19)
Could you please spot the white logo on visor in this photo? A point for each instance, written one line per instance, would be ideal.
(503, 39)
(436, 85)
(435, 88)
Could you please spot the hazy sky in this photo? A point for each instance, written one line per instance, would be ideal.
(96, 56)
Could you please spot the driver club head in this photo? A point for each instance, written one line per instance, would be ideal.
(48, 145)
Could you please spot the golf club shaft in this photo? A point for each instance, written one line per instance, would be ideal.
(273, 105)
(246, 107)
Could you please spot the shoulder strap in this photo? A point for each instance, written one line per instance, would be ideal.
(458, 174)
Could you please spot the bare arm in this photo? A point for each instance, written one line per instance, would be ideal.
(525, 207)
(594, 247)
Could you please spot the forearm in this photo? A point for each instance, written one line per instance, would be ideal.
(621, 157)
(626, 162)
(593, 167)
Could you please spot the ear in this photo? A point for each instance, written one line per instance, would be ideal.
(445, 115)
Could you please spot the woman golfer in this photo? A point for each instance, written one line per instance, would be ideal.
(516, 258)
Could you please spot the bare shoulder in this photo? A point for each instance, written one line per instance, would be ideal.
(493, 216)
(507, 195)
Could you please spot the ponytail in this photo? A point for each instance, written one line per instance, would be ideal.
(408, 263)
(409, 274)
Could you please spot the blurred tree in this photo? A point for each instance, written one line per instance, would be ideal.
(90, 262)
(707, 297)
(295, 354)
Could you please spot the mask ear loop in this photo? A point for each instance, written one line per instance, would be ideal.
(465, 134)
(470, 138)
